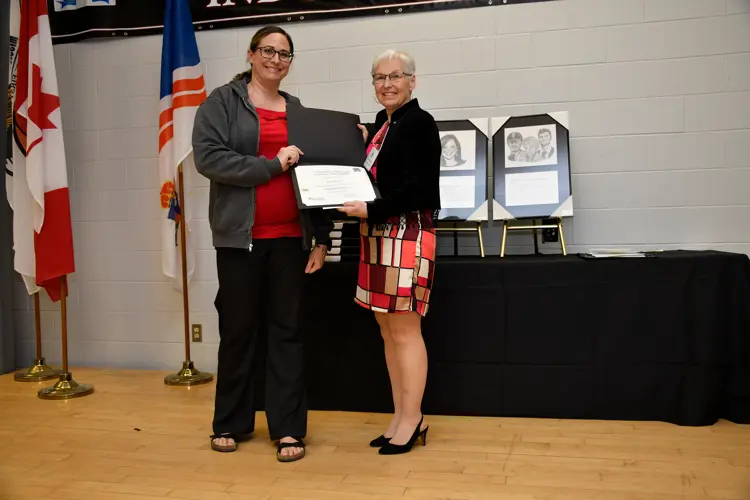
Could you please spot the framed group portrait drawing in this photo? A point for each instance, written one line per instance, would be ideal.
(531, 159)
(531, 173)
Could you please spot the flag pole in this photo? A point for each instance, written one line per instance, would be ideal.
(39, 371)
(66, 387)
(189, 374)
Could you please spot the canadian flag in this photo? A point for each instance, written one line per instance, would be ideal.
(42, 233)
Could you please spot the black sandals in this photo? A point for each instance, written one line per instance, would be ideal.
(226, 448)
(290, 458)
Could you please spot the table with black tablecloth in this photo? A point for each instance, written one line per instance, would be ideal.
(662, 338)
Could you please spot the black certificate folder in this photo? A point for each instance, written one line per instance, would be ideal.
(326, 137)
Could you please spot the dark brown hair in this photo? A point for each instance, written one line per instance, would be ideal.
(255, 42)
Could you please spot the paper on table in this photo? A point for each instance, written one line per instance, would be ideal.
(532, 188)
(600, 253)
(331, 185)
(457, 191)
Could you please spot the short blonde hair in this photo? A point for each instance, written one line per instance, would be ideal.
(407, 61)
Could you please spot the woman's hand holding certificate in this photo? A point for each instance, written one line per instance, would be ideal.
(355, 209)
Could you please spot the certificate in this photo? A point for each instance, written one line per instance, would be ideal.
(331, 186)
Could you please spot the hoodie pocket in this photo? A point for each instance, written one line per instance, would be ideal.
(232, 211)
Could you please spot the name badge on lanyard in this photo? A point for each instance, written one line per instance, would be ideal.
(375, 151)
(370, 161)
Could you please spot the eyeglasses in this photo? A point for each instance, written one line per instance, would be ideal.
(396, 77)
(269, 52)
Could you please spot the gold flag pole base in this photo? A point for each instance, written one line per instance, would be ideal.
(189, 375)
(38, 372)
(66, 388)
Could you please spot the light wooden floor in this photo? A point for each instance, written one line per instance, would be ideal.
(137, 439)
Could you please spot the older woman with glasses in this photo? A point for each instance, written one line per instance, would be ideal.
(264, 246)
(398, 239)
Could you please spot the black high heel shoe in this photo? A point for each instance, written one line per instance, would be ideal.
(380, 441)
(397, 449)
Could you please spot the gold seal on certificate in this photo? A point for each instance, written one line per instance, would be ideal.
(331, 186)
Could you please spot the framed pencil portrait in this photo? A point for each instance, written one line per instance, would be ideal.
(463, 168)
(531, 164)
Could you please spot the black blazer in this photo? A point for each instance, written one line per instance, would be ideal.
(408, 165)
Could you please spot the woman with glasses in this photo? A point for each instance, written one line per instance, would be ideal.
(397, 235)
(264, 246)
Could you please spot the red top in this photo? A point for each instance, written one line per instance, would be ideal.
(276, 212)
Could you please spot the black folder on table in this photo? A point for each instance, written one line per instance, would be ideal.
(326, 137)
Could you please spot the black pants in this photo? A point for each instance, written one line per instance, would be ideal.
(260, 298)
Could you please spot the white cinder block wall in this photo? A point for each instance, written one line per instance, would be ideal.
(658, 93)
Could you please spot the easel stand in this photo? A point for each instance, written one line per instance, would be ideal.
(533, 227)
(66, 387)
(474, 226)
(188, 375)
(39, 371)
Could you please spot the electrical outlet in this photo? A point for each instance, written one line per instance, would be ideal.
(197, 333)
(550, 235)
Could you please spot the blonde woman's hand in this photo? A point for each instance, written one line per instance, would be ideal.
(364, 131)
(288, 156)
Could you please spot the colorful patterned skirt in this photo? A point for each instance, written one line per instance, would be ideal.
(396, 268)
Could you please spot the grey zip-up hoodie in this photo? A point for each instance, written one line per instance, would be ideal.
(226, 137)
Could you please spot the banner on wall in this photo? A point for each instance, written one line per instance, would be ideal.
(75, 20)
